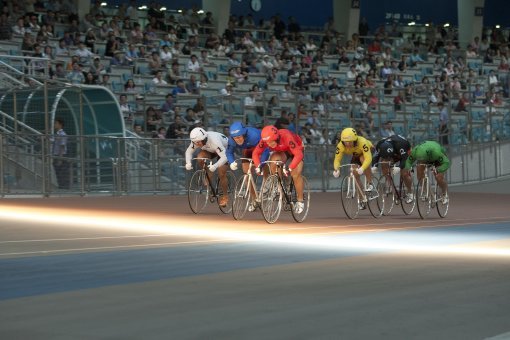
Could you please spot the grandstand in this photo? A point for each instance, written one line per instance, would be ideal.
(117, 147)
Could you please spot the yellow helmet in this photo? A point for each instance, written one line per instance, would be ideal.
(349, 135)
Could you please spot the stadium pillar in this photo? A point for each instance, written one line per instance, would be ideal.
(221, 13)
(83, 8)
(346, 16)
(470, 13)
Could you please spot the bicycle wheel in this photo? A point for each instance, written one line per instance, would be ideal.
(442, 207)
(385, 188)
(242, 197)
(375, 200)
(300, 217)
(271, 199)
(423, 197)
(350, 200)
(231, 180)
(407, 208)
(198, 191)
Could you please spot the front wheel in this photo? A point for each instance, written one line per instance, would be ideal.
(408, 208)
(423, 197)
(350, 199)
(385, 189)
(442, 203)
(300, 217)
(242, 197)
(375, 199)
(271, 199)
(198, 191)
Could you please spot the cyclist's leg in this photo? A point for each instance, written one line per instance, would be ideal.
(406, 176)
(420, 171)
(441, 182)
(277, 156)
(385, 170)
(247, 153)
(367, 172)
(222, 174)
(298, 181)
(204, 154)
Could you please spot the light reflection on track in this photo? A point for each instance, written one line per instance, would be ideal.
(196, 231)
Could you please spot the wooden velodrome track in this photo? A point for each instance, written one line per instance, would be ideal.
(143, 267)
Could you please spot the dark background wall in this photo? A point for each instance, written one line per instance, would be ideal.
(314, 13)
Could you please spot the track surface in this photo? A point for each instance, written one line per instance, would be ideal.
(147, 268)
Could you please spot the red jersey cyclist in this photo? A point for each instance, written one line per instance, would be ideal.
(284, 145)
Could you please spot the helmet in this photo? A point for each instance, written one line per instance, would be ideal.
(349, 135)
(269, 133)
(386, 150)
(237, 129)
(197, 134)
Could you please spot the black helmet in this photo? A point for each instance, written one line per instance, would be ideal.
(386, 150)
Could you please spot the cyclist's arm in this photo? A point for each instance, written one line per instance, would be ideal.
(339, 153)
(189, 152)
(410, 160)
(367, 157)
(257, 152)
(230, 151)
(444, 163)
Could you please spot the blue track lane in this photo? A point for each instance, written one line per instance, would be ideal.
(29, 276)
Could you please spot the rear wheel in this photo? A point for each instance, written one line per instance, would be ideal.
(271, 199)
(300, 217)
(423, 196)
(385, 188)
(198, 191)
(350, 200)
(242, 197)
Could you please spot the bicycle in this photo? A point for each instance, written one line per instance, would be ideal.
(243, 192)
(276, 189)
(354, 198)
(201, 189)
(427, 195)
(393, 195)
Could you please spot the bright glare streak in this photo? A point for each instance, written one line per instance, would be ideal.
(201, 11)
(142, 7)
(498, 26)
(412, 23)
(162, 9)
(446, 25)
(184, 226)
(104, 4)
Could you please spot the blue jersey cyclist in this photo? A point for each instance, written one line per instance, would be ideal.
(246, 139)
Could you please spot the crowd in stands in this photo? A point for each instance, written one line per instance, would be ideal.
(311, 82)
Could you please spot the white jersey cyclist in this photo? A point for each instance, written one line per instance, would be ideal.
(210, 141)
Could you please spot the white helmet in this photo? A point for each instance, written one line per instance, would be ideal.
(197, 134)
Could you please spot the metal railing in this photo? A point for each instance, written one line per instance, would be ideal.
(123, 166)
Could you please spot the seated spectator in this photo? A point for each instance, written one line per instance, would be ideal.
(75, 76)
(179, 89)
(387, 129)
(158, 79)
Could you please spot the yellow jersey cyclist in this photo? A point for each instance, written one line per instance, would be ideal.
(361, 150)
(430, 152)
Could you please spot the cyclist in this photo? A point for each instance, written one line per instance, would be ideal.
(284, 145)
(212, 145)
(361, 151)
(394, 149)
(246, 139)
(430, 152)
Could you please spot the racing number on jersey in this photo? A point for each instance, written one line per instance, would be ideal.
(292, 145)
(337, 151)
(365, 148)
(220, 149)
(402, 151)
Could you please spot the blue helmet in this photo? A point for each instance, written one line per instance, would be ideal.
(386, 150)
(237, 129)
